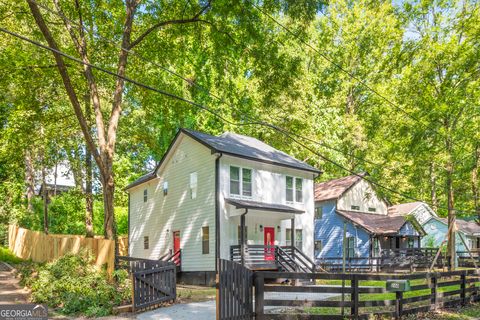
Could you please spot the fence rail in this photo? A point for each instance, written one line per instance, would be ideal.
(361, 300)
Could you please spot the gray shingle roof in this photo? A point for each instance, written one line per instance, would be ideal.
(250, 148)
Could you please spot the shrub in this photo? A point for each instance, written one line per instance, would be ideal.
(73, 285)
(7, 256)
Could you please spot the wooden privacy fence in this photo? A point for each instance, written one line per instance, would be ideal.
(40, 247)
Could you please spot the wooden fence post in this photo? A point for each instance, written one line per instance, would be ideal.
(463, 287)
(259, 295)
(398, 305)
(354, 296)
(434, 298)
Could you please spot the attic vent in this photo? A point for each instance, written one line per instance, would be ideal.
(355, 207)
(372, 209)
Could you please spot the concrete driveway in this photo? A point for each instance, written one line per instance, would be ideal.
(207, 310)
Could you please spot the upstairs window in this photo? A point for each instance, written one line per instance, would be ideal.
(299, 189)
(355, 207)
(193, 185)
(165, 188)
(241, 181)
(294, 184)
(289, 190)
(145, 195)
(318, 213)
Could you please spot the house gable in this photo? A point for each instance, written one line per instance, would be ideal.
(423, 213)
(363, 198)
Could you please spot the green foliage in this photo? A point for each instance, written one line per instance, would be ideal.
(7, 256)
(73, 285)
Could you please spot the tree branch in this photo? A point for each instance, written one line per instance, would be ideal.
(162, 24)
(81, 46)
(62, 69)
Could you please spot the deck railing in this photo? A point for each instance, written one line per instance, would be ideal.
(272, 257)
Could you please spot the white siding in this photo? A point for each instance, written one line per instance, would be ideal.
(161, 215)
(268, 186)
(423, 213)
(362, 195)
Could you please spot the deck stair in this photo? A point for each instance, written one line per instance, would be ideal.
(175, 257)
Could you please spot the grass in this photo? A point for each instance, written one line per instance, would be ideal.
(7, 256)
(187, 293)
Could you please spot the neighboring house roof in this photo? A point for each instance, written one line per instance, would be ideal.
(58, 187)
(403, 208)
(255, 205)
(468, 227)
(234, 145)
(250, 148)
(334, 189)
(378, 224)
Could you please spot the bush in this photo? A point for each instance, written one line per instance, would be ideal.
(7, 256)
(73, 285)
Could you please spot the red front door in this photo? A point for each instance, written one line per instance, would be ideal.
(176, 246)
(269, 240)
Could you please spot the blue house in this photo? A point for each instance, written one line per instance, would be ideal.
(369, 228)
(436, 228)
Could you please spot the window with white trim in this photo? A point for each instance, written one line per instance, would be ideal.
(193, 185)
(241, 181)
(318, 247)
(293, 189)
(145, 195)
(350, 247)
(298, 238)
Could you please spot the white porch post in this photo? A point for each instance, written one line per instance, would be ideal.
(242, 237)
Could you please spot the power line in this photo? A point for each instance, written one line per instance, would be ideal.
(216, 114)
(352, 76)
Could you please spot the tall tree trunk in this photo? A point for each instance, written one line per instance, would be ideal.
(44, 187)
(451, 246)
(475, 169)
(433, 186)
(88, 176)
(55, 174)
(108, 206)
(29, 180)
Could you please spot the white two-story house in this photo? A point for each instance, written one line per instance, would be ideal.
(229, 197)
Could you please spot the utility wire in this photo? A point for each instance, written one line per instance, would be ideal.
(205, 90)
(216, 114)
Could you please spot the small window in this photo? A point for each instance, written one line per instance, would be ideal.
(289, 188)
(193, 185)
(298, 238)
(247, 182)
(145, 243)
(372, 209)
(355, 207)
(318, 247)
(205, 240)
(235, 180)
(318, 213)
(165, 188)
(411, 243)
(350, 247)
(298, 189)
(145, 195)
(239, 233)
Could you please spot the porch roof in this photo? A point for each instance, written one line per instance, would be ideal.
(256, 205)
(375, 223)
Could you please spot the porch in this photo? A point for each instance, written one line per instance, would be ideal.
(275, 243)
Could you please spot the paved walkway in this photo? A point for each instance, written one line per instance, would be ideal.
(207, 310)
(186, 311)
(11, 292)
